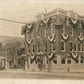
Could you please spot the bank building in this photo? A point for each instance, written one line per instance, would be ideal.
(55, 42)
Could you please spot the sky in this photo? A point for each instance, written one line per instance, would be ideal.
(26, 10)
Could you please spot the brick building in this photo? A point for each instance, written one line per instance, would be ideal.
(55, 42)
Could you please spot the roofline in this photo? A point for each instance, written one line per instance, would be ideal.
(50, 14)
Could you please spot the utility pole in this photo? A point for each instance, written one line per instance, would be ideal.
(25, 56)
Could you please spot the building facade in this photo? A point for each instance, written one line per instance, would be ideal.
(55, 42)
(9, 51)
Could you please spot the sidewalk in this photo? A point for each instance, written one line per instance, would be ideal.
(61, 74)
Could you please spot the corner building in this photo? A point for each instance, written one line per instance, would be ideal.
(55, 43)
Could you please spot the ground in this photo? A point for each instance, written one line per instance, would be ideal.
(19, 74)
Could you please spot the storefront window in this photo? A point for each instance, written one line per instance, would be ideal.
(63, 61)
(55, 60)
(76, 61)
(69, 60)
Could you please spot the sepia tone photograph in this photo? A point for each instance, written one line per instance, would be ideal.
(42, 39)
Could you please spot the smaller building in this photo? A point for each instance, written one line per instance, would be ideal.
(9, 51)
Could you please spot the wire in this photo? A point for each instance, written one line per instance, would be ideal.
(12, 21)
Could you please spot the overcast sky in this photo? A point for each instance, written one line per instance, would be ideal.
(25, 11)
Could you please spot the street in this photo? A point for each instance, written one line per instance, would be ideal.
(39, 75)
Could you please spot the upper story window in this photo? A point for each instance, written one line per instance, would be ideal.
(71, 31)
(62, 46)
(33, 48)
(52, 28)
(54, 46)
(74, 47)
(29, 48)
(79, 47)
(38, 46)
(71, 46)
(45, 44)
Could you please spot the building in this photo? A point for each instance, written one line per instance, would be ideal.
(55, 42)
(9, 47)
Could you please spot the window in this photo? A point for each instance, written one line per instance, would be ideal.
(82, 60)
(45, 44)
(79, 47)
(71, 31)
(62, 29)
(63, 61)
(74, 46)
(71, 46)
(76, 61)
(69, 60)
(38, 45)
(55, 60)
(52, 28)
(62, 45)
(29, 48)
(54, 46)
(33, 48)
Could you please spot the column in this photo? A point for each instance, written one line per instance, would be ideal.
(79, 59)
(44, 62)
(49, 66)
(29, 62)
(59, 59)
(72, 61)
(66, 60)
(25, 64)
(6, 65)
(26, 49)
